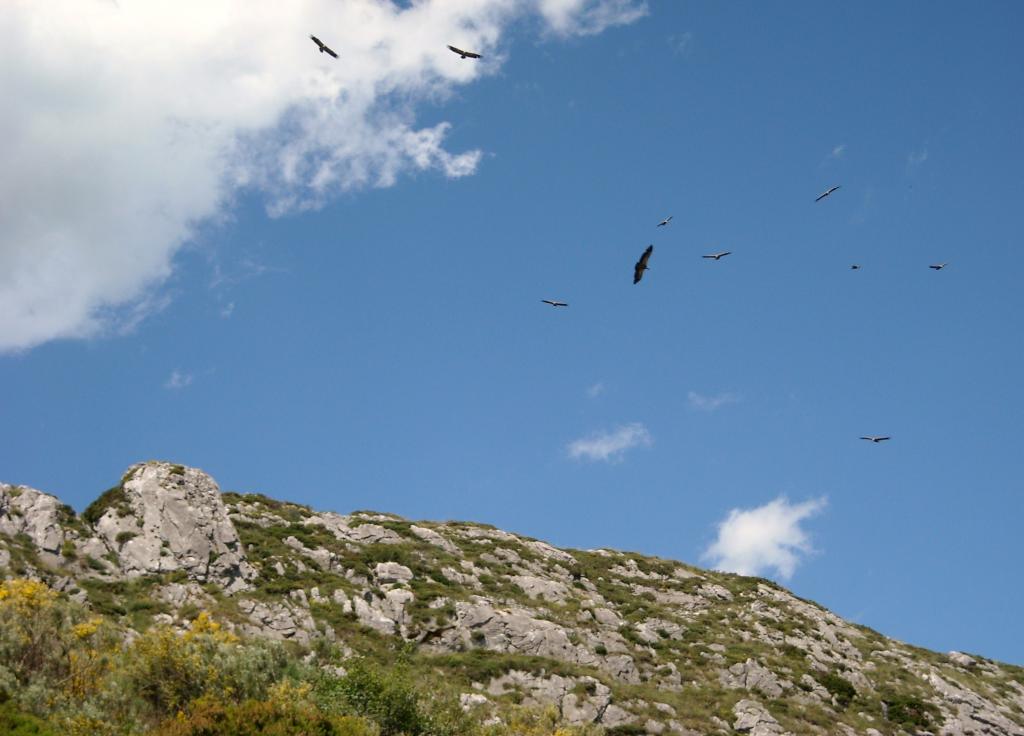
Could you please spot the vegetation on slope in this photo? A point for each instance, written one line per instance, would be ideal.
(65, 669)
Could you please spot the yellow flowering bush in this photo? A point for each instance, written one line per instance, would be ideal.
(24, 596)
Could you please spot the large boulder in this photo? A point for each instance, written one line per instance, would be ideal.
(752, 718)
(168, 517)
(37, 515)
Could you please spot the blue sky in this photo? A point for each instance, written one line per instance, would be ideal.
(381, 343)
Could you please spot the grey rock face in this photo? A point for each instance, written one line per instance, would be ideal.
(323, 558)
(343, 527)
(535, 587)
(589, 707)
(277, 621)
(751, 676)
(479, 623)
(432, 537)
(962, 660)
(36, 514)
(969, 713)
(391, 572)
(178, 522)
(752, 718)
(385, 614)
(816, 689)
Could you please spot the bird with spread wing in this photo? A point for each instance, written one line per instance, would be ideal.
(718, 256)
(554, 303)
(641, 265)
(875, 438)
(666, 221)
(463, 54)
(825, 194)
(324, 48)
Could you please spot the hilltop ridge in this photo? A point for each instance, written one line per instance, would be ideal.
(618, 640)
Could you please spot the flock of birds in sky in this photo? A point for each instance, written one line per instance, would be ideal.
(641, 265)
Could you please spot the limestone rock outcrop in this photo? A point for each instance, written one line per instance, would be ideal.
(618, 640)
(168, 517)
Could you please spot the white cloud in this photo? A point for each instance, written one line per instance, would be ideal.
(128, 125)
(838, 151)
(610, 446)
(227, 310)
(711, 403)
(916, 158)
(769, 537)
(596, 390)
(178, 380)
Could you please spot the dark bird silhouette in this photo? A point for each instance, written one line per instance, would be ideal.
(324, 48)
(554, 303)
(938, 266)
(641, 265)
(718, 256)
(666, 221)
(855, 267)
(875, 438)
(464, 54)
(825, 194)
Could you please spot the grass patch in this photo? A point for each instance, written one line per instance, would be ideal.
(480, 665)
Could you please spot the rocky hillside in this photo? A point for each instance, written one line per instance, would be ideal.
(632, 643)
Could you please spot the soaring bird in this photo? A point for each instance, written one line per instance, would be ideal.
(666, 221)
(554, 303)
(938, 266)
(825, 194)
(718, 256)
(464, 54)
(875, 438)
(855, 267)
(324, 48)
(641, 265)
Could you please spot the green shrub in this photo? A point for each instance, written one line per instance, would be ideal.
(600, 650)
(114, 498)
(95, 564)
(211, 717)
(909, 713)
(13, 722)
(626, 729)
(124, 537)
(482, 665)
(166, 671)
(385, 697)
(68, 550)
(389, 699)
(840, 688)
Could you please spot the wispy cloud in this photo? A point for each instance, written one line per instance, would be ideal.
(227, 310)
(765, 538)
(711, 403)
(916, 158)
(245, 269)
(680, 42)
(596, 390)
(178, 380)
(587, 17)
(838, 151)
(610, 446)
